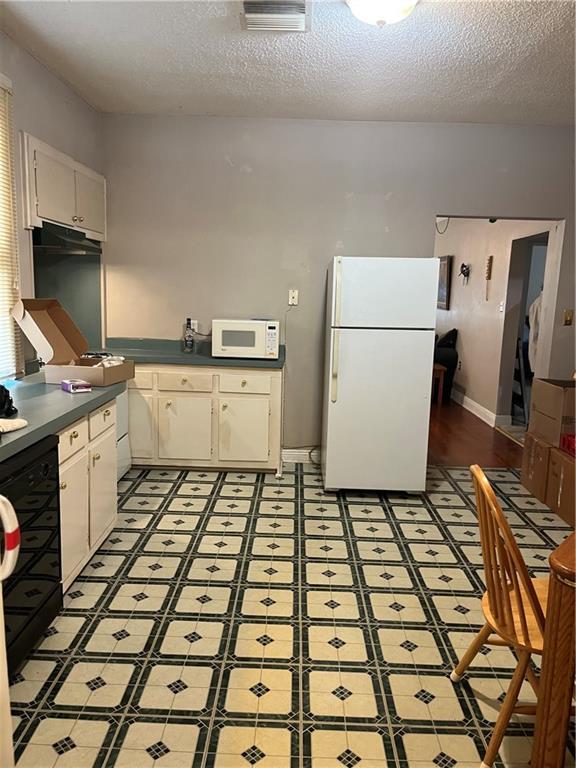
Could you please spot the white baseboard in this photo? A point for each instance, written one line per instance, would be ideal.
(503, 421)
(300, 455)
(471, 405)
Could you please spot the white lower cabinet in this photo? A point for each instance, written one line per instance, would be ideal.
(74, 513)
(185, 428)
(88, 505)
(243, 429)
(102, 485)
(141, 421)
(218, 417)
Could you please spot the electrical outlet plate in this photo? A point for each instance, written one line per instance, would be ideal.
(194, 324)
(293, 297)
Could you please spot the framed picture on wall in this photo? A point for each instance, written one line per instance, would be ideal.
(444, 282)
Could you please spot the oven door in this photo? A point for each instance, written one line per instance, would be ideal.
(238, 338)
(33, 593)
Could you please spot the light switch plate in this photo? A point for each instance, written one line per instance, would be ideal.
(293, 297)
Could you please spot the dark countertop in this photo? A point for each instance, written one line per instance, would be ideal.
(48, 409)
(169, 352)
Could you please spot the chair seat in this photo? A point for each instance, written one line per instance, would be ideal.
(535, 641)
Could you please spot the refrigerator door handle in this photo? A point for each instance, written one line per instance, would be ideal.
(337, 289)
(335, 361)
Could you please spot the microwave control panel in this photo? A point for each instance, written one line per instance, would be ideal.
(272, 331)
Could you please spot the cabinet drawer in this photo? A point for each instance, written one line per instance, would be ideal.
(185, 382)
(256, 385)
(142, 380)
(102, 419)
(72, 439)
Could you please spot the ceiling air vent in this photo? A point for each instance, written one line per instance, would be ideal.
(275, 15)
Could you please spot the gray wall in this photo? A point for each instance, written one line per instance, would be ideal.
(212, 217)
(48, 109)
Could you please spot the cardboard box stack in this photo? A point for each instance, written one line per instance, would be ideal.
(547, 469)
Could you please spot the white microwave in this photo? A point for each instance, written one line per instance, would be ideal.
(246, 338)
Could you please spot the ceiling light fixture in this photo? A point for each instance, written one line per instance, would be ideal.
(381, 12)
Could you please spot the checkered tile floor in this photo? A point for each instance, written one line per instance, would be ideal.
(235, 620)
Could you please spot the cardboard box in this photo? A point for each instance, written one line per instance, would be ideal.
(535, 459)
(560, 494)
(552, 409)
(60, 344)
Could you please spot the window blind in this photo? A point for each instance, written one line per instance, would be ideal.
(10, 354)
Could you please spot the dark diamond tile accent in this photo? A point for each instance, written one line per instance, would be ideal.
(264, 640)
(95, 683)
(431, 552)
(341, 693)
(462, 609)
(421, 531)
(204, 599)
(157, 750)
(64, 745)
(32, 592)
(18, 677)
(386, 576)
(179, 522)
(192, 637)
(220, 544)
(336, 642)
(76, 594)
(445, 579)
(485, 651)
(326, 548)
(397, 607)
(213, 568)
(348, 758)
(273, 546)
(274, 525)
(177, 686)
(372, 529)
(155, 567)
(232, 506)
(379, 550)
(323, 527)
(253, 755)
(130, 520)
(277, 507)
(143, 503)
(328, 573)
(332, 604)
(442, 760)
(408, 645)
(270, 571)
(267, 601)
(139, 597)
(425, 696)
(50, 632)
(259, 689)
(121, 634)
(115, 540)
(168, 542)
(227, 523)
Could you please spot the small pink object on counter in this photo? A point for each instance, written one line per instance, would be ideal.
(75, 385)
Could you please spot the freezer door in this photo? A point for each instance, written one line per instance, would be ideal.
(384, 292)
(377, 409)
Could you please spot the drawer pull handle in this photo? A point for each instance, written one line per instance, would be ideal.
(63, 486)
(107, 412)
(96, 458)
(168, 403)
(225, 406)
(184, 381)
(244, 382)
(73, 436)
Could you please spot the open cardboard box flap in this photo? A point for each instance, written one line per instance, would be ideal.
(50, 330)
(60, 345)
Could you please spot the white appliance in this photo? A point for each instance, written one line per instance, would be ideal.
(381, 314)
(122, 440)
(246, 338)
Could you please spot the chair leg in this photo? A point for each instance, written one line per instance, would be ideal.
(533, 679)
(507, 709)
(470, 654)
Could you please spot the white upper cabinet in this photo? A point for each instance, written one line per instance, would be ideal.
(60, 190)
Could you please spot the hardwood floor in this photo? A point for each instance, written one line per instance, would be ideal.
(458, 439)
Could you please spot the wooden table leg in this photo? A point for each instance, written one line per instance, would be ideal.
(557, 679)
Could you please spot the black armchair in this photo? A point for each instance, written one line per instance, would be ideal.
(445, 354)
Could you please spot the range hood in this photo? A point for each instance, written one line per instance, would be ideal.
(63, 241)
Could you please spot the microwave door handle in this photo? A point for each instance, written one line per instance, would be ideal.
(335, 364)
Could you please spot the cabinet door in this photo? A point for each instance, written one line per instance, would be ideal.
(90, 202)
(243, 429)
(103, 472)
(185, 428)
(55, 191)
(141, 424)
(74, 518)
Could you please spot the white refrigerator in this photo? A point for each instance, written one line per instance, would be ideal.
(380, 320)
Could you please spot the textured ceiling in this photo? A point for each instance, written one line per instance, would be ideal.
(467, 61)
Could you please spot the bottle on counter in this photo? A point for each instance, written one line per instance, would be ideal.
(188, 337)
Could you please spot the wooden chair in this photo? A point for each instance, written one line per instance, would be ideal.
(514, 607)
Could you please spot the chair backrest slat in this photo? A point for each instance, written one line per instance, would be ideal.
(507, 579)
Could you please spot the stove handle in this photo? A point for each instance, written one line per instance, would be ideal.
(9, 522)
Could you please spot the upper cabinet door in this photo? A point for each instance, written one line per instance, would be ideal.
(55, 190)
(90, 202)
